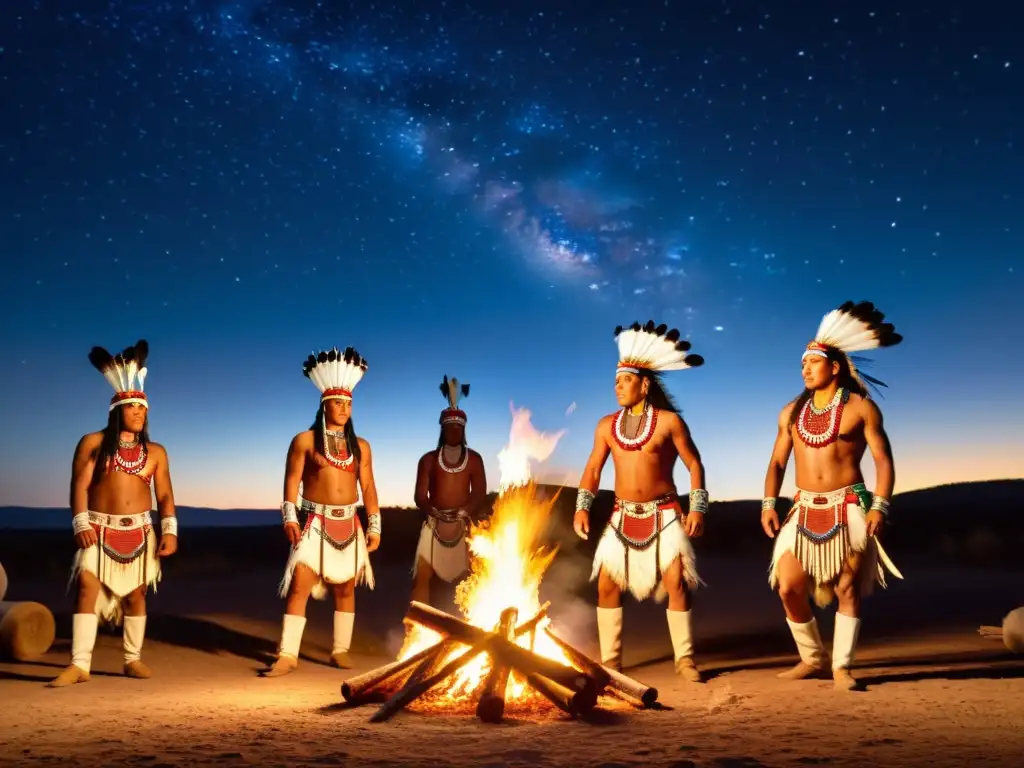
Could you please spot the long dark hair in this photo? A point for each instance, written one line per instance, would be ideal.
(657, 395)
(351, 441)
(846, 380)
(111, 440)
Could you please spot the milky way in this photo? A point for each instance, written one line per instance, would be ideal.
(650, 152)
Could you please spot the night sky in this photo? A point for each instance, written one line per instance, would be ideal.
(454, 189)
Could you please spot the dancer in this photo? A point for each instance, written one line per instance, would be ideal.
(645, 538)
(113, 478)
(331, 549)
(829, 539)
(450, 487)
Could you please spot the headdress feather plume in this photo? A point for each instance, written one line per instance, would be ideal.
(125, 372)
(335, 373)
(854, 327)
(453, 392)
(653, 348)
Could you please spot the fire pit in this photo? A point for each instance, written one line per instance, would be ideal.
(503, 650)
(574, 688)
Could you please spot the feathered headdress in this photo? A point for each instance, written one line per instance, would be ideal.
(453, 392)
(853, 328)
(125, 372)
(335, 373)
(649, 348)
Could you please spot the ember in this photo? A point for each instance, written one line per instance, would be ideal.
(504, 650)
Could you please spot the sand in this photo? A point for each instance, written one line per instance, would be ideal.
(936, 693)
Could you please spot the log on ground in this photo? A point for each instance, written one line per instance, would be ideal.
(624, 687)
(27, 630)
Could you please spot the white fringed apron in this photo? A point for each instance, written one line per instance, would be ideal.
(332, 545)
(641, 541)
(122, 560)
(442, 544)
(823, 531)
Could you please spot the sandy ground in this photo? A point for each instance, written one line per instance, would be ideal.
(936, 693)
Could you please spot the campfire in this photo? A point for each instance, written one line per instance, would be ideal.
(503, 651)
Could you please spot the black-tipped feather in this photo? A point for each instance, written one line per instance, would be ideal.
(142, 352)
(694, 361)
(465, 390)
(100, 359)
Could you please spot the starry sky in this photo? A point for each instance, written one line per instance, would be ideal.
(486, 192)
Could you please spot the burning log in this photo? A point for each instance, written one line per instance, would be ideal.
(410, 693)
(623, 686)
(491, 705)
(383, 681)
(365, 685)
(568, 701)
(590, 685)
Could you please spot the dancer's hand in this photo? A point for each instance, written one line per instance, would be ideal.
(86, 539)
(581, 523)
(694, 524)
(770, 522)
(372, 541)
(293, 532)
(168, 545)
(875, 520)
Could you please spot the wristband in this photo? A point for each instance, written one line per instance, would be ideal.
(169, 526)
(80, 523)
(584, 500)
(699, 501)
(881, 504)
(373, 524)
(288, 513)
(768, 502)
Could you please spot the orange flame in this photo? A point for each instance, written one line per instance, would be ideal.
(507, 565)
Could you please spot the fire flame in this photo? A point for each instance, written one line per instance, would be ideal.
(506, 566)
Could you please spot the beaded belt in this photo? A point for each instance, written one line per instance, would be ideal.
(120, 522)
(444, 515)
(641, 522)
(338, 524)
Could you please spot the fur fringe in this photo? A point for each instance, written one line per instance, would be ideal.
(117, 579)
(640, 571)
(337, 566)
(824, 562)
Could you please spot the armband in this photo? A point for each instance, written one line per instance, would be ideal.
(373, 524)
(699, 501)
(80, 523)
(169, 526)
(584, 500)
(881, 504)
(768, 502)
(288, 513)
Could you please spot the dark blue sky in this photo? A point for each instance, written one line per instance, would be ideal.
(487, 193)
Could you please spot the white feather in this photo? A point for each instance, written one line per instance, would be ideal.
(650, 350)
(110, 374)
(131, 371)
(142, 378)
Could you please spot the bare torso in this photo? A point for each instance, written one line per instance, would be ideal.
(322, 482)
(449, 490)
(644, 474)
(120, 493)
(836, 465)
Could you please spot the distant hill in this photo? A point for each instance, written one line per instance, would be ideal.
(963, 523)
